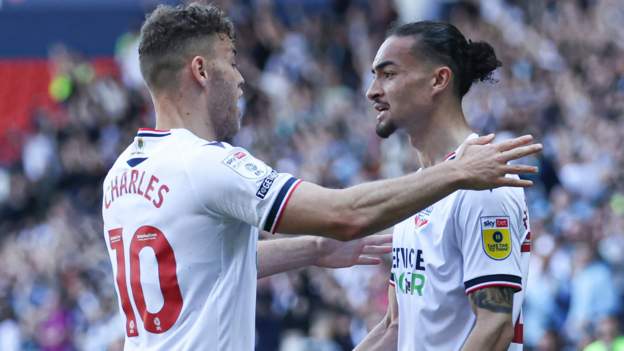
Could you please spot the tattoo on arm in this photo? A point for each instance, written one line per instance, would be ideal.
(494, 299)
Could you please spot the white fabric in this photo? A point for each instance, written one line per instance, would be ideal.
(206, 200)
(10, 336)
(439, 257)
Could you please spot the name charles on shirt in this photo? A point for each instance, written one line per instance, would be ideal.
(138, 183)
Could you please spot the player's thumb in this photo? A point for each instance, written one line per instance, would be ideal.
(482, 140)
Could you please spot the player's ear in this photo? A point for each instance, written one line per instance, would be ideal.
(441, 79)
(199, 70)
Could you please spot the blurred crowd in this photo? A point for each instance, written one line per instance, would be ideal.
(307, 65)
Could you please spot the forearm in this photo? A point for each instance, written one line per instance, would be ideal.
(489, 336)
(494, 327)
(368, 208)
(382, 337)
(378, 205)
(280, 255)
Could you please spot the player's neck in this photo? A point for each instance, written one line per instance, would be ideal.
(174, 113)
(447, 130)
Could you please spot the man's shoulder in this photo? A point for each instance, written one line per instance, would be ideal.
(208, 151)
(218, 153)
(492, 196)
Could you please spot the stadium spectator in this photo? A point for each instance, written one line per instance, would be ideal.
(609, 336)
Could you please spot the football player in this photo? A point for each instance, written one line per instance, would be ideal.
(459, 265)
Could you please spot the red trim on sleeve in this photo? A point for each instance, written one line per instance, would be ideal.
(491, 285)
(525, 247)
(518, 333)
(281, 211)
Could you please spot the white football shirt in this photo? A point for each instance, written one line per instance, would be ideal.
(180, 223)
(467, 241)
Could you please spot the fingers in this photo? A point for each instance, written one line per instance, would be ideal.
(378, 239)
(514, 143)
(482, 140)
(367, 260)
(520, 169)
(520, 152)
(519, 183)
(376, 250)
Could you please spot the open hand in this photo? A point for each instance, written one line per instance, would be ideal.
(365, 251)
(484, 165)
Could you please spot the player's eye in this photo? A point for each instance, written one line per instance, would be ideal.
(388, 74)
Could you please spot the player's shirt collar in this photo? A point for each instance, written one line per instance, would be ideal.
(451, 155)
(150, 132)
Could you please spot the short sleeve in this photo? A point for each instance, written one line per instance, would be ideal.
(230, 182)
(490, 232)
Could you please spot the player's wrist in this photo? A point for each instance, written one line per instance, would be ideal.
(457, 175)
(319, 245)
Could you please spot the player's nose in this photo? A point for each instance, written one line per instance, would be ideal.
(241, 80)
(374, 90)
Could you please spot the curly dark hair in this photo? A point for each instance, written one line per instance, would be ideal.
(170, 35)
(444, 43)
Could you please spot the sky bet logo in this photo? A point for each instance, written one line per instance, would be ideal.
(488, 223)
(406, 262)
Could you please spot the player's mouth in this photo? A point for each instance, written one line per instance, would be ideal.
(382, 108)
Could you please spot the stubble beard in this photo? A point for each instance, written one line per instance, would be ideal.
(223, 110)
(225, 122)
(385, 129)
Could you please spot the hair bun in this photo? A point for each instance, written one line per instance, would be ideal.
(482, 61)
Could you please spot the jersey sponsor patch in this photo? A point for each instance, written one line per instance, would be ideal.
(496, 237)
(266, 185)
(246, 165)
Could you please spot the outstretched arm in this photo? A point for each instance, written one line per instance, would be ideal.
(384, 336)
(494, 328)
(280, 255)
(368, 208)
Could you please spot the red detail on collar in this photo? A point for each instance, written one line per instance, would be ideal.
(449, 155)
(154, 130)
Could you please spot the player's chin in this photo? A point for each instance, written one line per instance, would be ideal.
(385, 129)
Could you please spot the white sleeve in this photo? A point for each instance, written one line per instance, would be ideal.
(490, 232)
(230, 182)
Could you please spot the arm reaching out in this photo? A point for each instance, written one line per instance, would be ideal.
(280, 255)
(368, 208)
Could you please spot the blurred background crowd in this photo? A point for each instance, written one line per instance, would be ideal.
(307, 65)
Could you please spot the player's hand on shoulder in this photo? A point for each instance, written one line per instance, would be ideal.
(484, 165)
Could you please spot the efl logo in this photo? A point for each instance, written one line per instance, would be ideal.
(496, 237)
